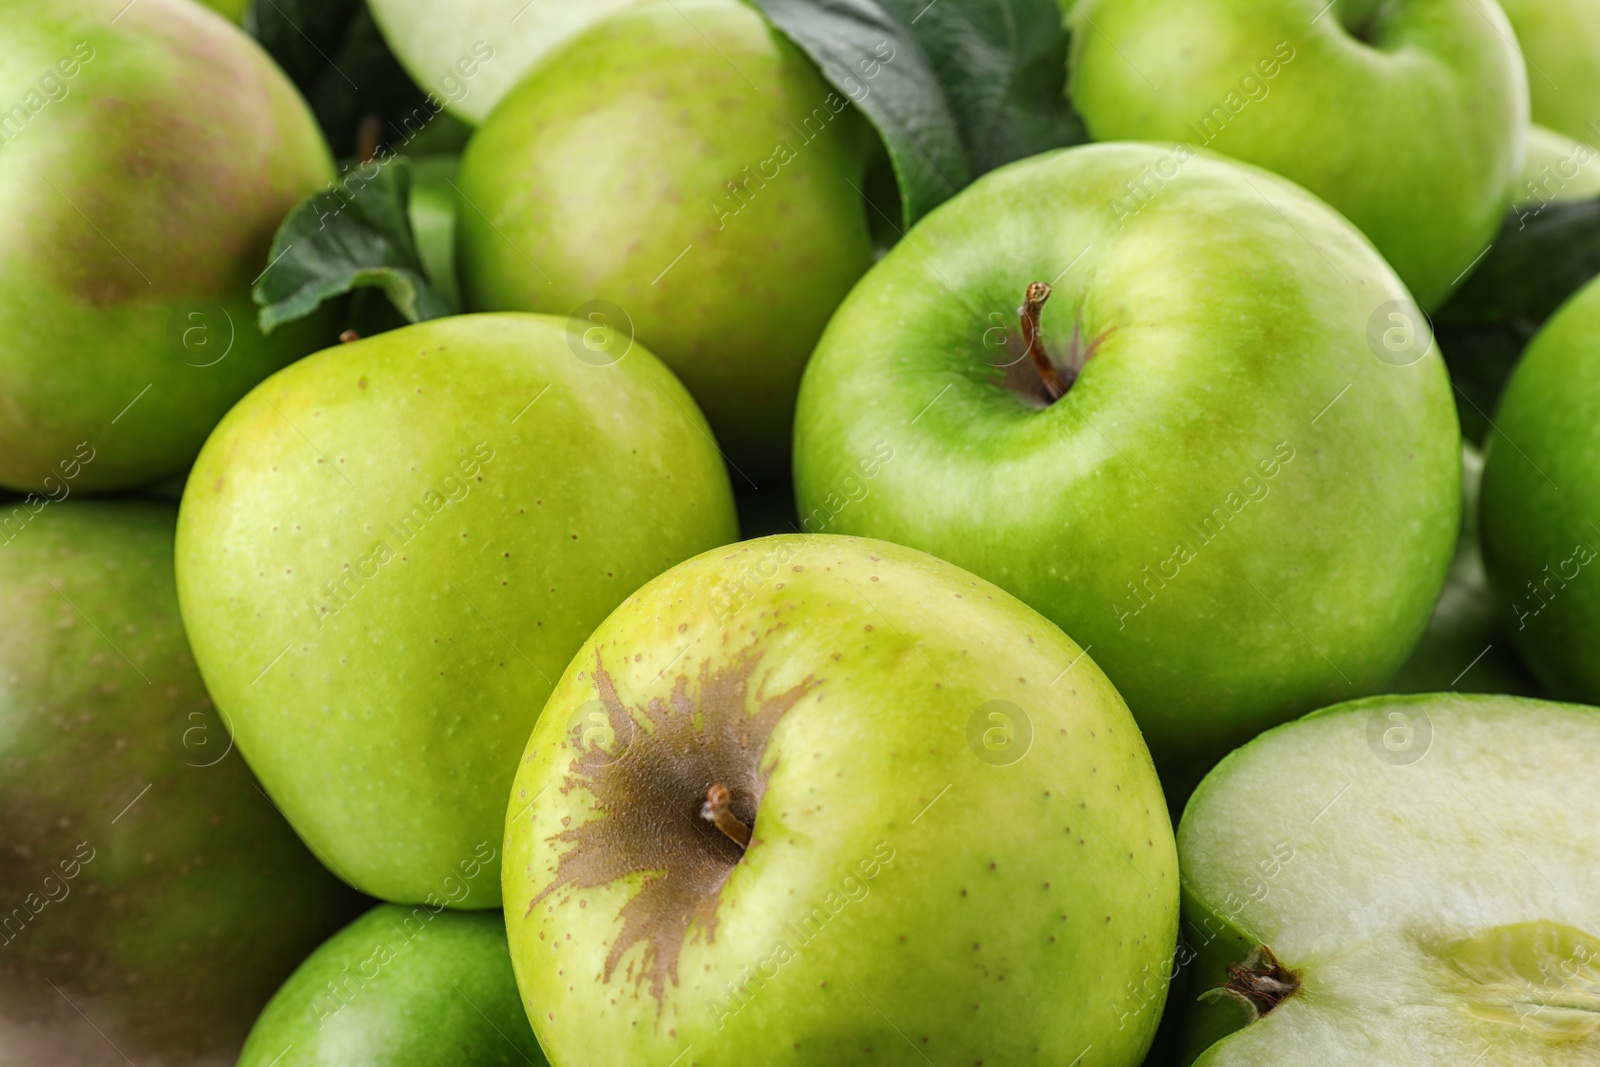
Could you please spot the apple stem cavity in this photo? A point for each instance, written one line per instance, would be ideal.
(1259, 984)
(1032, 305)
(719, 813)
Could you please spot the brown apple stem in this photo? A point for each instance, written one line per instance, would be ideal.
(348, 336)
(1032, 305)
(717, 812)
(368, 134)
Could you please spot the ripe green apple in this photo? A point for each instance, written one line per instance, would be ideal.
(148, 153)
(388, 551)
(1558, 170)
(400, 987)
(1245, 501)
(1560, 40)
(437, 42)
(233, 9)
(685, 170)
(1541, 501)
(151, 899)
(1408, 117)
(824, 800)
(1465, 648)
(1399, 881)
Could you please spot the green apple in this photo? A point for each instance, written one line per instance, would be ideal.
(1409, 116)
(686, 171)
(1465, 648)
(148, 152)
(1541, 500)
(432, 213)
(1399, 881)
(400, 987)
(481, 46)
(1558, 170)
(1244, 499)
(388, 551)
(233, 9)
(1560, 41)
(823, 800)
(151, 899)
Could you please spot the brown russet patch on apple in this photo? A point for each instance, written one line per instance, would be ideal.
(648, 805)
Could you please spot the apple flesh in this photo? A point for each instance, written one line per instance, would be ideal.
(823, 800)
(1245, 502)
(1401, 880)
(1409, 118)
(151, 155)
(1541, 480)
(402, 987)
(388, 552)
(148, 884)
(637, 166)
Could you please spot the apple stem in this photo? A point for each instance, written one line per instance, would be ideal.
(716, 811)
(1032, 304)
(347, 336)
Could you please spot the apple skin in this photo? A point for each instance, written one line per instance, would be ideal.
(151, 191)
(430, 39)
(401, 987)
(388, 552)
(1541, 482)
(1465, 648)
(1232, 372)
(146, 876)
(1560, 40)
(1420, 153)
(1557, 170)
(561, 210)
(936, 905)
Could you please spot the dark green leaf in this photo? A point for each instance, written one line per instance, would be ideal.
(355, 236)
(1540, 258)
(871, 58)
(954, 87)
(362, 97)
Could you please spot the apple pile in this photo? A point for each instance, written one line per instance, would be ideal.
(692, 533)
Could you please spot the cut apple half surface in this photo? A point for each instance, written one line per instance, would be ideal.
(1399, 881)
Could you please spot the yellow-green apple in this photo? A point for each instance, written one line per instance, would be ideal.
(726, 252)
(151, 899)
(388, 551)
(1223, 454)
(483, 45)
(148, 152)
(826, 800)
(1560, 42)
